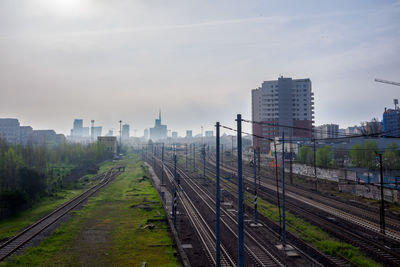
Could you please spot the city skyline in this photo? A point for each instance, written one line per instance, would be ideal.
(62, 60)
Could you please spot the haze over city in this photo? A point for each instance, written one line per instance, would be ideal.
(197, 61)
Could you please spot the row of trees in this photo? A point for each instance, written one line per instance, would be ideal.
(323, 155)
(360, 155)
(26, 172)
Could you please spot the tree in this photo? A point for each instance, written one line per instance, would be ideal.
(391, 157)
(324, 156)
(364, 155)
(306, 155)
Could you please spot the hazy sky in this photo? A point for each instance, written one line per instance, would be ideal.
(196, 60)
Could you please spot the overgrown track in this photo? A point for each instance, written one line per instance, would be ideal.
(18, 241)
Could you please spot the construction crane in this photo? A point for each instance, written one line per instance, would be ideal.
(389, 82)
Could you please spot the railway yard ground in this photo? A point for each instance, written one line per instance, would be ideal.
(124, 224)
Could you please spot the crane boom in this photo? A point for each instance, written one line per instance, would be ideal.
(389, 82)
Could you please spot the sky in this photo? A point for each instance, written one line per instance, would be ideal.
(196, 60)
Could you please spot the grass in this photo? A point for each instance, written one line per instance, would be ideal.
(11, 226)
(314, 235)
(110, 230)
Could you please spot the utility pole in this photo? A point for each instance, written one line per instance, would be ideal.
(204, 163)
(232, 152)
(277, 189)
(120, 136)
(315, 168)
(291, 161)
(186, 155)
(194, 156)
(217, 203)
(255, 185)
(382, 211)
(175, 195)
(240, 193)
(283, 192)
(162, 160)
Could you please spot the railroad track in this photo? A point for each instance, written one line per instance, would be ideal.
(318, 214)
(336, 211)
(15, 243)
(258, 252)
(205, 233)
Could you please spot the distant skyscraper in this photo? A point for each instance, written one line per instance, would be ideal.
(125, 131)
(146, 133)
(96, 132)
(110, 133)
(159, 131)
(174, 135)
(188, 133)
(78, 123)
(209, 133)
(285, 102)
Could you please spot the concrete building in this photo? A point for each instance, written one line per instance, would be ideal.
(47, 137)
(327, 131)
(159, 131)
(209, 133)
(26, 133)
(96, 132)
(110, 133)
(109, 142)
(189, 134)
(146, 134)
(391, 122)
(10, 130)
(286, 101)
(174, 135)
(355, 130)
(125, 131)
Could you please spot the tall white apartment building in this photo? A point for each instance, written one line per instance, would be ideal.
(286, 101)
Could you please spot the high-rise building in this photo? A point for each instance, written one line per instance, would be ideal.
(25, 134)
(209, 133)
(327, 131)
(159, 131)
(96, 132)
(10, 130)
(189, 134)
(174, 135)
(283, 102)
(391, 122)
(146, 134)
(125, 131)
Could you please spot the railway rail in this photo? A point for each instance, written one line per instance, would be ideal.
(321, 215)
(205, 233)
(18, 241)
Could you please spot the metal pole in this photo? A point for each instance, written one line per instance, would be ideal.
(382, 221)
(232, 152)
(283, 192)
(204, 163)
(162, 159)
(120, 137)
(217, 226)
(255, 185)
(175, 196)
(277, 190)
(315, 168)
(240, 193)
(194, 157)
(186, 154)
(291, 162)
